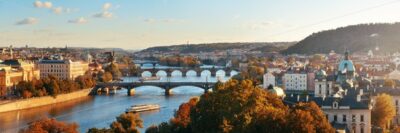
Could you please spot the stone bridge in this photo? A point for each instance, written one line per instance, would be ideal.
(184, 71)
(167, 86)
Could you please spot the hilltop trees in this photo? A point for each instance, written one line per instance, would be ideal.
(383, 110)
(48, 125)
(239, 106)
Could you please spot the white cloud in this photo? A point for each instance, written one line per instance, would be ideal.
(40, 4)
(104, 14)
(80, 20)
(58, 10)
(27, 21)
(107, 6)
(47, 4)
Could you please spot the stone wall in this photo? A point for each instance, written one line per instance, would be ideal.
(41, 101)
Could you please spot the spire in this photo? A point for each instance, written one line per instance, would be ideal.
(346, 55)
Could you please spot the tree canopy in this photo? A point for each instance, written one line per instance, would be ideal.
(47, 125)
(383, 110)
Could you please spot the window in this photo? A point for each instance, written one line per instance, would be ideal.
(353, 118)
(327, 116)
(344, 118)
(334, 118)
(362, 118)
(397, 102)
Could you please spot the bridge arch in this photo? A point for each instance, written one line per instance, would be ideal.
(220, 73)
(176, 73)
(185, 89)
(205, 73)
(146, 74)
(191, 73)
(149, 89)
(161, 73)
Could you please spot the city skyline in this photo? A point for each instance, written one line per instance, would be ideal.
(142, 24)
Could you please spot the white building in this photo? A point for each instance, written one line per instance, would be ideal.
(295, 80)
(268, 79)
(63, 69)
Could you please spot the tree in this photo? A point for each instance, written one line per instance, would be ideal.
(383, 110)
(239, 106)
(127, 123)
(47, 125)
(114, 70)
(106, 77)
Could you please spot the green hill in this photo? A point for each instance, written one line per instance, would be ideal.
(356, 38)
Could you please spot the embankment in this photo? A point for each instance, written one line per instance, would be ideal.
(41, 101)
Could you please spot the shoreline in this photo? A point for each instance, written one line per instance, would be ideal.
(42, 101)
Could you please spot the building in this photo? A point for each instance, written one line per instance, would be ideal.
(323, 84)
(63, 69)
(14, 71)
(268, 79)
(295, 80)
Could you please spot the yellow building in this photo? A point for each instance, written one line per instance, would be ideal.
(63, 69)
(14, 71)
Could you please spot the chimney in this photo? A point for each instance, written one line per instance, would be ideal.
(345, 92)
(307, 98)
(298, 98)
(367, 87)
(323, 98)
(361, 92)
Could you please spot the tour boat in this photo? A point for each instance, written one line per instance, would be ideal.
(143, 107)
(149, 78)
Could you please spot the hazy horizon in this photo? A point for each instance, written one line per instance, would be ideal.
(141, 24)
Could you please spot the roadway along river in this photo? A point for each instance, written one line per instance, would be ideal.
(100, 111)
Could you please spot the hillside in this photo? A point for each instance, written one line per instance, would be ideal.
(196, 48)
(356, 38)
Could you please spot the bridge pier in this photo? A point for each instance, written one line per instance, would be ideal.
(198, 74)
(227, 74)
(213, 74)
(131, 91)
(167, 92)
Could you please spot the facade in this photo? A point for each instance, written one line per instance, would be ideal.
(295, 80)
(14, 71)
(62, 69)
(268, 79)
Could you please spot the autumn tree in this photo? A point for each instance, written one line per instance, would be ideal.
(239, 106)
(125, 123)
(114, 70)
(48, 125)
(383, 110)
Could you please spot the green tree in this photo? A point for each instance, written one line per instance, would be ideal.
(383, 110)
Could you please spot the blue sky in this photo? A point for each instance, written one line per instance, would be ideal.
(137, 24)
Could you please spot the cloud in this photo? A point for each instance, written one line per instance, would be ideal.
(80, 20)
(27, 21)
(106, 6)
(264, 25)
(58, 10)
(40, 4)
(104, 14)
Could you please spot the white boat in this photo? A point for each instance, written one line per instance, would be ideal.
(149, 78)
(143, 107)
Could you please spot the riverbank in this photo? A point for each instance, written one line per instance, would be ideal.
(42, 101)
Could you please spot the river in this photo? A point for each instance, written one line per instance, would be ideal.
(99, 111)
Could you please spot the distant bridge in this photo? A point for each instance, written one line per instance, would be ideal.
(183, 71)
(167, 86)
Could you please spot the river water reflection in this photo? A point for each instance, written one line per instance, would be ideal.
(100, 111)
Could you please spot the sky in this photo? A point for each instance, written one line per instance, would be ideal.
(138, 24)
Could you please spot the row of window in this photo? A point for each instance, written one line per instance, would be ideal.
(344, 118)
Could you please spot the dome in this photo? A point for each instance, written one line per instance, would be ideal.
(346, 65)
(278, 91)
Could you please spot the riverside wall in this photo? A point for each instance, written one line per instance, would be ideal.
(42, 101)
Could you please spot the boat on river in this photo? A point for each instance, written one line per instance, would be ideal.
(143, 107)
(149, 79)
